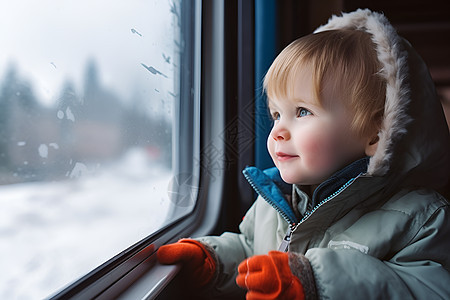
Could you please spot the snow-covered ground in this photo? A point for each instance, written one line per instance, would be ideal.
(53, 233)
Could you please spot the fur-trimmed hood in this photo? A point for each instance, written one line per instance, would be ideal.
(414, 142)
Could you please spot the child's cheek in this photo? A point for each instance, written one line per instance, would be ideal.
(318, 151)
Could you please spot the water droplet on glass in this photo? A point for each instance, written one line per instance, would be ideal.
(60, 114)
(70, 115)
(43, 151)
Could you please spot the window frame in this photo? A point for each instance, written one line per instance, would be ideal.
(227, 74)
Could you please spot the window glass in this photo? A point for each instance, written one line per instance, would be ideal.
(89, 120)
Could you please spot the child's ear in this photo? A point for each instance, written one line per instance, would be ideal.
(372, 145)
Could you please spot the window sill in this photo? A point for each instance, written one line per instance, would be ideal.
(158, 278)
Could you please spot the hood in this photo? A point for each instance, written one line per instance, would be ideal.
(414, 142)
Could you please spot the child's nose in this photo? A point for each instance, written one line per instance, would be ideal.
(280, 133)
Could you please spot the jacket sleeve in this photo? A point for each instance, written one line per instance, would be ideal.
(418, 271)
(230, 249)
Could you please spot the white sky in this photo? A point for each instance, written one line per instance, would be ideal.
(51, 41)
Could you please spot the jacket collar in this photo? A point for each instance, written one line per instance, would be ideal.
(269, 185)
(339, 179)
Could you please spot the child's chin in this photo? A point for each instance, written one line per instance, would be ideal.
(286, 178)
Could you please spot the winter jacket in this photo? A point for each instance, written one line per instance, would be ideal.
(377, 229)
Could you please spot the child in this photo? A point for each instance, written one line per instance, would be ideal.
(361, 144)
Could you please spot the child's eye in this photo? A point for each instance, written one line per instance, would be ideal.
(275, 116)
(302, 112)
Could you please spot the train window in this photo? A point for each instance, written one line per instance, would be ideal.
(97, 134)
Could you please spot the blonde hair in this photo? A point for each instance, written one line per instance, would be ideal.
(343, 60)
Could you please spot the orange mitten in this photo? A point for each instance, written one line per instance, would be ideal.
(269, 277)
(196, 260)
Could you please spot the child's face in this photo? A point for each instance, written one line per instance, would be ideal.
(309, 142)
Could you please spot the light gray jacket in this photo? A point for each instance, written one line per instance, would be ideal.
(385, 232)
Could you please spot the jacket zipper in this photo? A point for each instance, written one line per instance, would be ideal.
(327, 199)
(284, 246)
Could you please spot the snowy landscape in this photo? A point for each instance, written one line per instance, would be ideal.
(54, 232)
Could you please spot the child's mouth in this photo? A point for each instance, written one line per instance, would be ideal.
(281, 156)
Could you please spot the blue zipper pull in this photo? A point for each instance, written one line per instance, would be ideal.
(284, 246)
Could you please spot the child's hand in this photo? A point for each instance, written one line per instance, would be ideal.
(197, 262)
(269, 277)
